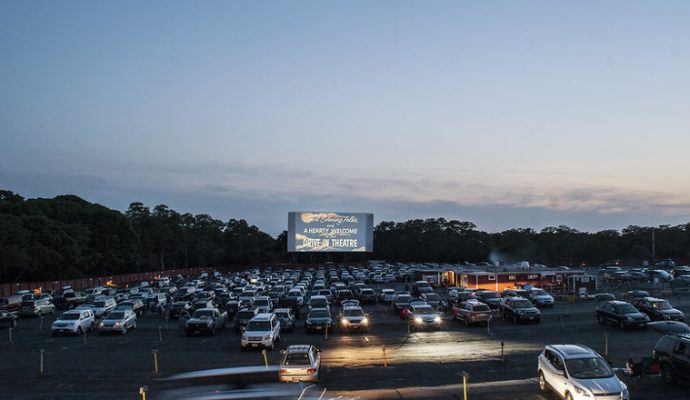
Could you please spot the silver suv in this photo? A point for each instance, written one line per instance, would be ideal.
(574, 372)
(261, 331)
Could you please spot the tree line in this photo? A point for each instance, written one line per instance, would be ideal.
(68, 237)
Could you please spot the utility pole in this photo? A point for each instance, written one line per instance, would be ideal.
(653, 249)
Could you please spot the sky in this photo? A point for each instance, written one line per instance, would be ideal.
(506, 114)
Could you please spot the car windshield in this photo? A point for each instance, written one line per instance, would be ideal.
(203, 313)
(319, 314)
(490, 295)
(403, 299)
(262, 302)
(69, 317)
(282, 314)
(626, 309)
(245, 314)
(432, 297)
(353, 312)
(522, 304)
(539, 292)
(480, 307)
(99, 304)
(661, 305)
(116, 315)
(424, 310)
(259, 326)
(297, 359)
(588, 368)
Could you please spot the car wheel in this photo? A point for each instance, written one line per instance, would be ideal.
(568, 396)
(79, 331)
(134, 325)
(667, 374)
(601, 319)
(621, 325)
(213, 331)
(40, 313)
(188, 333)
(466, 321)
(515, 319)
(278, 339)
(272, 346)
(14, 323)
(542, 382)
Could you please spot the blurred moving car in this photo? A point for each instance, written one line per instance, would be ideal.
(119, 321)
(300, 363)
(576, 372)
(8, 318)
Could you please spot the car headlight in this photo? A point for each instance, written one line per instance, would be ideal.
(437, 319)
(116, 324)
(365, 321)
(629, 318)
(345, 321)
(625, 395)
(581, 391)
(101, 325)
(244, 336)
(418, 320)
(267, 337)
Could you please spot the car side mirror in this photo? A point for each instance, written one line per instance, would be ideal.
(283, 352)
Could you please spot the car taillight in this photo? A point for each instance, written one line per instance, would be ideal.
(311, 370)
(654, 355)
(282, 371)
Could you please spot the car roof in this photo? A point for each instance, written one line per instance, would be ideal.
(570, 351)
(262, 317)
(298, 348)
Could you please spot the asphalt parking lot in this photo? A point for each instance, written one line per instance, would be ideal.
(418, 364)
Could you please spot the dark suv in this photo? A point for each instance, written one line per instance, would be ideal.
(673, 354)
(620, 313)
(658, 309)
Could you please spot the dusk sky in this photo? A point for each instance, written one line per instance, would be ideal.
(503, 113)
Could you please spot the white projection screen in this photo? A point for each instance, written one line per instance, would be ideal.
(316, 231)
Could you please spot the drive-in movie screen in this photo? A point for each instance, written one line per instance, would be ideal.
(310, 231)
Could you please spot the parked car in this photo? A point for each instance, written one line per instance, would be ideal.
(472, 312)
(433, 300)
(33, 308)
(576, 372)
(8, 318)
(673, 354)
(206, 321)
(135, 305)
(103, 306)
(424, 316)
(286, 318)
(658, 309)
(541, 298)
(620, 313)
(74, 322)
(318, 320)
(519, 310)
(119, 321)
(243, 317)
(490, 298)
(353, 318)
(367, 296)
(300, 363)
(318, 301)
(178, 307)
(387, 296)
(262, 331)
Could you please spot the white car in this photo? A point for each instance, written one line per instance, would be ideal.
(300, 363)
(262, 331)
(73, 322)
(101, 307)
(577, 372)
